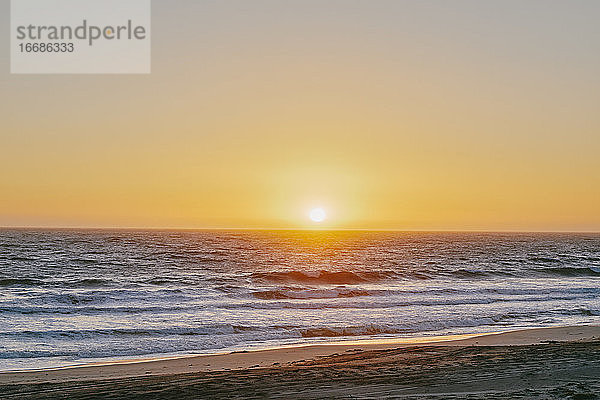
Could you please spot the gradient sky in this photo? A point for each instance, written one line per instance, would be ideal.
(389, 114)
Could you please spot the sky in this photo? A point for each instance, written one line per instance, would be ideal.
(408, 115)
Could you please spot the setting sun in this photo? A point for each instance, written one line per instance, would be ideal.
(317, 215)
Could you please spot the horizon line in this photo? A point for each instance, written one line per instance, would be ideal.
(315, 229)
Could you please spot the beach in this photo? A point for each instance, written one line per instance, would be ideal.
(557, 362)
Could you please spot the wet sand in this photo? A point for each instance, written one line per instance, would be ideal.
(547, 363)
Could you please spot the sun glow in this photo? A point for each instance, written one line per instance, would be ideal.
(317, 215)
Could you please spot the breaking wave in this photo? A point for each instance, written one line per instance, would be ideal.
(324, 277)
(309, 294)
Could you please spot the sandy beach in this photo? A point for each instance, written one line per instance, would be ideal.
(558, 362)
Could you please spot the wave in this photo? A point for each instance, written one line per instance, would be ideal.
(547, 260)
(586, 312)
(570, 271)
(384, 305)
(21, 282)
(86, 310)
(80, 283)
(211, 331)
(159, 301)
(324, 277)
(351, 331)
(88, 282)
(422, 326)
(507, 273)
(309, 294)
(206, 330)
(293, 301)
(161, 281)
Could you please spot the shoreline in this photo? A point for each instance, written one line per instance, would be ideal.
(411, 341)
(290, 355)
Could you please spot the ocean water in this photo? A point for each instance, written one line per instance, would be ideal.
(73, 296)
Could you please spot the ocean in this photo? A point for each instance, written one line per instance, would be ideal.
(75, 296)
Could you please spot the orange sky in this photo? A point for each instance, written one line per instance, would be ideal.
(390, 115)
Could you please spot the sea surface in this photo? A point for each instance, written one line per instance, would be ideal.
(73, 296)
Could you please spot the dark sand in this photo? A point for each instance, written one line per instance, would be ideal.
(543, 371)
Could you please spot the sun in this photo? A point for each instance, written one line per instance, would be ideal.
(317, 215)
